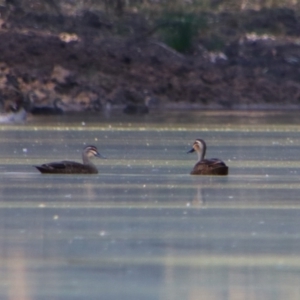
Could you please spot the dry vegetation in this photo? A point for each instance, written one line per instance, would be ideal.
(210, 53)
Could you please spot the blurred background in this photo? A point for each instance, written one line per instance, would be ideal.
(97, 54)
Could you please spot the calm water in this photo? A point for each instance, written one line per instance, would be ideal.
(143, 228)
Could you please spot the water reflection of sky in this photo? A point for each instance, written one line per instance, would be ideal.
(143, 228)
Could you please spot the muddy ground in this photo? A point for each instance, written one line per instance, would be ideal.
(88, 63)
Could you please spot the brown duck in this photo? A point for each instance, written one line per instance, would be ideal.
(212, 166)
(72, 167)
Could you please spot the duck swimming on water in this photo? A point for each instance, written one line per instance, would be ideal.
(212, 166)
(72, 167)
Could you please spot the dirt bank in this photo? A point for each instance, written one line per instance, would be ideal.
(87, 64)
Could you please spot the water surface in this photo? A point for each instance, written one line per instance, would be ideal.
(143, 228)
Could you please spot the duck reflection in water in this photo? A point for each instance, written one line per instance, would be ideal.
(72, 167)
(212, 166)
(198, 200)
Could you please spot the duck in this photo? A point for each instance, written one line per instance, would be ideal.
(212, 166)
(72, 167)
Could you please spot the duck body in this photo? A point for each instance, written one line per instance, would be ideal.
(72, 167)
(210, 167)
(67, 167)
(213, 166)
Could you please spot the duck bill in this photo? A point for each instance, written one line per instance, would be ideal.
(99, 155)
(191, 151)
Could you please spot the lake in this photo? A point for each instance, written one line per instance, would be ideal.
(143, 228)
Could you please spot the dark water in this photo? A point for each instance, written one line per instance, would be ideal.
(143, 228)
